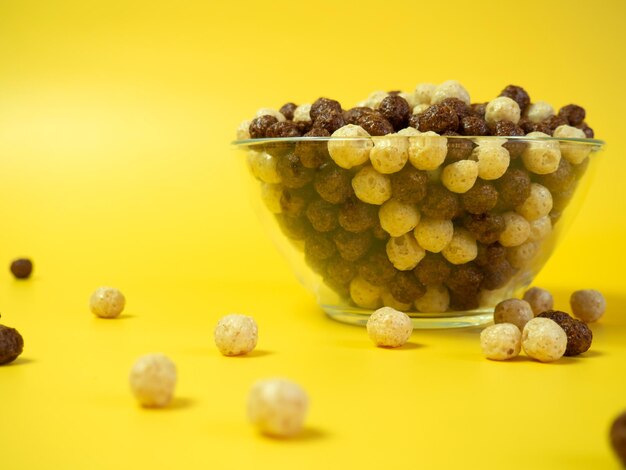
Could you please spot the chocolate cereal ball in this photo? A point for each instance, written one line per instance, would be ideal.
(409, 185)
(376, 269)
(497, 275)
(319, 246)
(258, 126)
(323, 106)
(356, 216)
(352, 115)
(292, 173)
(339, 271)
(589, 305)
(440, 203)
(473, 125)
(517, 94)
(465, 279)
(352, 246)
(485, 227)
(540, 300)
(374, 124)
(618, 437)
(11, 344)
(396, 110)
(438, 118)
(572, 114)
(515, 311)
(406, 288)
(579, 336)
(509, 129)
(513, 187)
(283, 129)
(458, 149)
(433, 270)
(333, 184)
(21, 268)
(322, 215)
(313, 154)
(481, 198)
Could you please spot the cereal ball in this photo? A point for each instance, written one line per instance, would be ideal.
(364, 294)
(396, 110)
(513, 187)
(409, 185)
(322, 215)
(586, 129)
(544, 340)
(21, 268)
(236, 334)
(458, 149)
(502, 109)
(356, 216)
(322, 106)
(568, 132)
(405, 288)
(283, 129)
(501, 342)
(340, 271)
(515, 311)
(562, 180)
(573, 152)
(277, 407)
(433, 270)
(518, 94)
(352, 246)
(463, 301)
(540, 300)
(516, 230)
(521, 256)
(389, 154)
(434, 234)
(540, 228)
(478, 109)
(437, 118)
(490, 254)
(319, 247)
(465, 278)
(485, 227)
(302, 113)
(481, 198)
(493, 159)
(376, 269)
(459, 177)
(270, 112)
(375, 99)
(450, 89)
(419, 109)
(330, 120)
(572, 114)
(435, 300)
(618, 437)
(538, 204)
(152, 380)
(243, 131)
(398, 218)
(404, 252)
(473, 125)
(462, 248)
(374, 124)
(390, 301)
(579, 336)
(294, 228)
(424, 93)
(11, 344)
(539, 111)
(107, 302)
(259, 125)
(263, 167)
(287, 110)
(507, 128)
(333, 184)
(440, 203)
(271, 195)
(427, 151)
(389, 328)
(379, 232)
(294, 201)
(408, 132)
(352, 115)
(292, 173)
(313, 154)
(409, 97)
(371, 186)
(497, 275)
(588, 305)
(350, 152)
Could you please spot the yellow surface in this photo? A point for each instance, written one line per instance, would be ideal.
(115, 169)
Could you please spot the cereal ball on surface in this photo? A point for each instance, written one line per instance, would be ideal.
(389, 154)
(538, 204)
(618, 437)
(579, 336)
(356, 216)
(573, 114)
(481, 198)
(263, 167)
(515, 311)
(398, 218)
(462, 248)
(349, 153)
(540, 228)
(352, 246)
(544, 340)
(440, 203)
(493, 159)
(389, 328)
(518, 94)
(501, 342)
(516, 230)
(236, 334)
(435, 300)
(333, 184)
(404, 252)
(541, 157)
(502, 108)
(588, 305)
(11, 344)
(21, 268)
(152, 380)
(459, 177)
(437, 118)
(521, 256)
(427, 151)
(539, 111)
(243, 131)
(277, 407)
(409, 185)
(540, 300)
(513, 187)
(434, 234)
(364, 294)
(107, 302)
(433, 270)
(424, 93)
(371, 186)
(450, 89)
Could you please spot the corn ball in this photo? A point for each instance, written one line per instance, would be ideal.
(153, 379)
(236, 334)
(404, 252)
(516, 230)
(515, 311)
(434, 234)
(540, 300)
(588, 305)
(435, 300)
(364, 294)
(462, 248)
(263, 167)
(539, 111)
(347, 152)
(390, 301)
(493, 159)
(544, 340)
(537, 205)
(277, 407)
(501, 341)
(502, 108)
(398, 218)
(390, 153)
(459, 177)
(427, 151)
(573, 152)
(371, 186)
(302, 113)
(420, 108)
(270, 112)
(541, 157)
(424, 93)
(520, 256)
(408, 132)
(450, 89)
(408, 97)
(107, 302)
(540, 228)
(389, 328)
(374, 99)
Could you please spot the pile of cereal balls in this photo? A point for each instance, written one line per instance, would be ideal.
(399, 208)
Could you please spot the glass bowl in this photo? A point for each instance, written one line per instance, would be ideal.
(441, 227)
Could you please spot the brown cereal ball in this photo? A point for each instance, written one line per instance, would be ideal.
(573, 114)
(490, 254)
(375, 124)
(406, 288)
(458, 149)
(541, 157)
(478, 109)
(465, 278)
(493, 159)
(463, 301)
(331, 121)
(404, 252)
(544, 340)
(350, 152)
(356, 216)
(538, 204)
(459, 106)
(11, 344)
(322, 215)
(313, 154)
(352, 115)
(389, 154)
(287, 110)
(396, 110)
(561, 180)
(618, 437)
(579, 336)
(365, 294)
(450, 89)
(389, 328)
(502, 108)
(540, 300)
(433, 270)
(434, 234)
(322, 106)
(427, 151)
(398, 218)
(292, 173)
(460, 176)
(371, 187)
(485, 227)
(473, 125)
(481, 198)
(507, 128)
(294, 228)
(438, 118)
(462, 248)
(409, 185)
(436, 299)
(352, 246)
(516, 230)
(515, 311)
(514, 187)
(21, 268)
(379, 232)
(376, 269)
(440, 203)
(258, 126)
(319, 246)
(553, 122)
(517, 94)
(283, 129)
(340, 271)
(293, 202)
(586, 129)
(333, 184)
(497, 275)
(501, 341)
(588, 305)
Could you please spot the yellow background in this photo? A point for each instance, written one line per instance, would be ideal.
(115, 169)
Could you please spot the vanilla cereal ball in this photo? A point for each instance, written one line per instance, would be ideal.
(428, 150)
(271, 195)
(424, 93)
(450, 89)
(277, 407)
(390, 301)
(516, 229)
(541, 157)
(462, 248)
(371, 186)
(389, 328)
(587, 305)
(543, 339)
(107, 302)
(459, 177)
(409, 98)
(493, 159)
(408, 132)
(349, 153)
(398, 218)
(263, 166)
(271, 112)
(364, 294)
(243, 132)
(515, 311)
(302, 113)
(540, 228)
(539, 111)
(502, 108)
(374, 99)
(573, 152)
(390, 153)
(420, 108)
(538, 204)
(404, 252)
(501, 342)
(540, 300)
(153, 379)
(435, 300)
(434, 234)
(236, 334)
(520, 256)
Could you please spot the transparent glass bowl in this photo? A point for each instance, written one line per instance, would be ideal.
(339, 250)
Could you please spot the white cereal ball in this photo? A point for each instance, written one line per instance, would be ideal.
(462, 248)
(390, 301)
(435, 300)
(540, 228)
(404, 252)
(459, 177)
(588, 305)
(348, 153)
(502, 108)
(390, 153)
(493, 159)
(515, 311)
(501, 342)
(107, 302)
(428, 150)
(540, 300)
(409, 98)
(371, 187)
(302, 113)
(236, 334)
(420, 108)
(539, 111)
(573, 152)
(398, 218)
(152, 380)
(568, 132)
(243, 131)
(521, 256)
(516, 230)
(389, 328)
(408, 132)
(271, 195)
(541, 157)
(450, 89)
(277, 407)
(364, 294)
(375, 98)
(434, 234)
(271, 112)
(538, 204)
(544, 340)
(424, 93)
(263, 166)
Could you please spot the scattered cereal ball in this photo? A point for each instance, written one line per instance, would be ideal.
(502, 109)
(427, 151)
(348, 152)
(22, 268)
(434, 234)
(516, 230)
(435, 300)
(390, 301)
(404, 252)
(152, 380)
(513, 187)
(424, 93)
(459, 177)
(541, 157)
(521, 256)
(501, 342)
(11, 344)
(389, 328)
(538, 204)
(539, 111)
(243, 131)
(493, 159)
(277, 407)
(236, 334)
(371, 186)
(540, 228)
(409, 184)
(540, 300)
(107, 302)
(518, 94)
(618, 437)
(573, 152)
(364, 294)
(544, 340)
(588, 305)
(450, 89)
(271, 195)
(513, 311)
(462, 248)
(270, 112)
(263, 166)
(398, 218)
(579, 336)
(390, 153)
